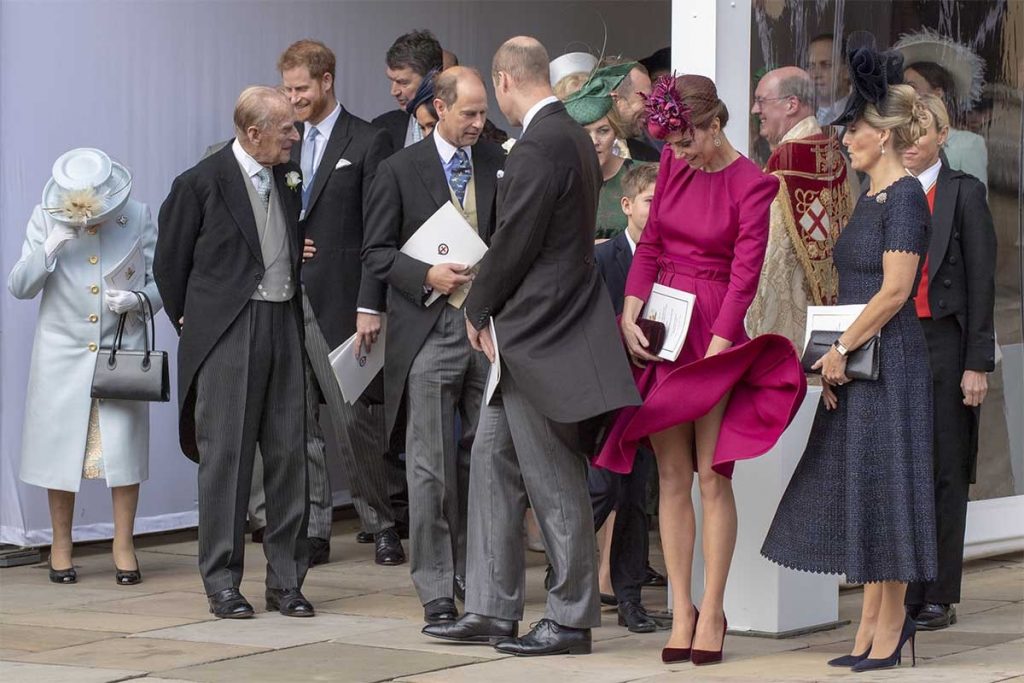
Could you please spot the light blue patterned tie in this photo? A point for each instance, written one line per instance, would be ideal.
(461, 171)
(263, 186)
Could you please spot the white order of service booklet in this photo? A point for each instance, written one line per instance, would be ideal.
(354, 373)
(673, 308)
(830, 319)
(445, 237)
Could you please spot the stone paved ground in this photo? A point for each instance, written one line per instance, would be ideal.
(368, 622)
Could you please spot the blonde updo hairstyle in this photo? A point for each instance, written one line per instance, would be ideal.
(903, 114)
(938, 115)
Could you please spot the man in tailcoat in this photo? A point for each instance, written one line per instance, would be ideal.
(227, 266)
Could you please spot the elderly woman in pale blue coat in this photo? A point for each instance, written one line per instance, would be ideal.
(67, 435)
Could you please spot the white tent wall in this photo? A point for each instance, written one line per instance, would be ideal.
(153, 82)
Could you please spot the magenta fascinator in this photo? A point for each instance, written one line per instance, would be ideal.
(666, 111)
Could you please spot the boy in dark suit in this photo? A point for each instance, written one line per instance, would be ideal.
(626, 495)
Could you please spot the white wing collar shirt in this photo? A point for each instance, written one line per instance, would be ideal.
(536, 108)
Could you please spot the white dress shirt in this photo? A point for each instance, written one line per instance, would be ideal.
(930, 175)
(536, 108)
(248, 164)
(316, 147)
(632, 244)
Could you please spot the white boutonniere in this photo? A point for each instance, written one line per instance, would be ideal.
(293, 179)
(507, 145)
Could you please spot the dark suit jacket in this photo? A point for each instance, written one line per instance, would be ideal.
(334, 221)
(962, 263)
(396, 123)
(208, 263)
(556, 330)
(613, 260)
(641, 150)
(410, 186)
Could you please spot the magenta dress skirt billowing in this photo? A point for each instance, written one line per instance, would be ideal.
(764, 376)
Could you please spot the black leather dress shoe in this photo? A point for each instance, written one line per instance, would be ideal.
(257, 535)
(289, 602)
(319, 551)
(229, 604)
(633, 616)
(440, 611)
(389, 550)
(364, 537)
(460, 587)
(934, 617)
(654, 579)
(548, 638)
(474, 628)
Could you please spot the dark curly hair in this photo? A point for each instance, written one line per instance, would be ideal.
(417, 50)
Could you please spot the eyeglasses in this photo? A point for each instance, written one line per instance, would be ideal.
(759, 101)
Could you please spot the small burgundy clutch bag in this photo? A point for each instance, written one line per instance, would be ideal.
(655, 333)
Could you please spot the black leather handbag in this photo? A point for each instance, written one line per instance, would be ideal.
(130, 375)
(861, 363)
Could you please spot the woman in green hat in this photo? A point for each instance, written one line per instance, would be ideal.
(589, 106)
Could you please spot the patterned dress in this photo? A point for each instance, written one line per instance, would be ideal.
(860, 501)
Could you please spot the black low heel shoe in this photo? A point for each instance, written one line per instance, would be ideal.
(128, 577)
(62, 575)
(908, 633)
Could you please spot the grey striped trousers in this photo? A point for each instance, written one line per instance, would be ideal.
(249, 390)
(447, 377)
(361, 446)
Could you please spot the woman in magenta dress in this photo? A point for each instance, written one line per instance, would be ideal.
(725, 398)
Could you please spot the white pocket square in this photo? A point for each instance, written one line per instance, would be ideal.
(501, 174)
(342, 163)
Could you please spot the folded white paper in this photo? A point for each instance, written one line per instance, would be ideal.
(494, 376)
(354, 373)
(445, 237)
(674, 308)
(129, 274)
(830, 318)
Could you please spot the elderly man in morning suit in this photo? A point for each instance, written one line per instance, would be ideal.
(813, 205)
(562, 363)
(429, 362)
(227, 265)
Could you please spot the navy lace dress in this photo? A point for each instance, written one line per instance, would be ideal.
(860, 501)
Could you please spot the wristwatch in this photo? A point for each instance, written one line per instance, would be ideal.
(840, 348)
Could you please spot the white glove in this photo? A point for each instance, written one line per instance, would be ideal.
(120, 301)
(60, 234)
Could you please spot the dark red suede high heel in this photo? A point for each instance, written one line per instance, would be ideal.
(701, 657)
(680, 654)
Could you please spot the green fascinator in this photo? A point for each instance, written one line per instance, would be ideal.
(594, 99)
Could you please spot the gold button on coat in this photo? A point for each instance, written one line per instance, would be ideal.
(93, 318)
(92, 346)
(94, 260)
(95, 289)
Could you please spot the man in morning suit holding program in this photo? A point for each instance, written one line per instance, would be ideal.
(429, 363)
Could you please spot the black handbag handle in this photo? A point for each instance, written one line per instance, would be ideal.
(146, 305)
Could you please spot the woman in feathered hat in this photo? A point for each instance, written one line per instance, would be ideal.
(860, 500)
(85, 225)
(937, 65)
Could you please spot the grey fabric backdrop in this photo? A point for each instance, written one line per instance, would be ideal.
(153, 82)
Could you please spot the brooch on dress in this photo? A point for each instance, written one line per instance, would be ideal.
(122, 220)
(880, 198)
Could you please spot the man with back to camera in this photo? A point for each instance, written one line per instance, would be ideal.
(539, 285)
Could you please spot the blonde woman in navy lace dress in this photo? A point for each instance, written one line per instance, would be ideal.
(860, 501)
